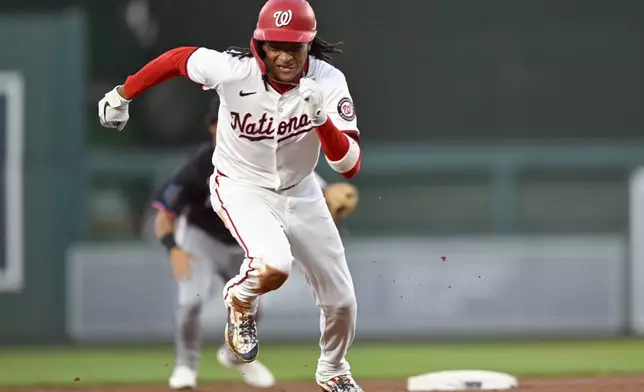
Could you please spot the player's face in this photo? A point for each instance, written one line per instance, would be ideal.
(286, 59)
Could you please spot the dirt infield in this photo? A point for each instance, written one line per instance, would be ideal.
(588, 384)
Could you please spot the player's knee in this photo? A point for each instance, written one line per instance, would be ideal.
(191, 300)
(345, 304)
(271, 279)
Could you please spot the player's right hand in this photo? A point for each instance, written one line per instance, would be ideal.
(113, 110)
(181, 263)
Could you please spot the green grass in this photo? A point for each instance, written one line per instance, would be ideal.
(103, 365)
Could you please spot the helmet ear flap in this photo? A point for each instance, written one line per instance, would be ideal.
(259, 47)
(258, 52)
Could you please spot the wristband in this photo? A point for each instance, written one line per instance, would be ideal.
(168, 241)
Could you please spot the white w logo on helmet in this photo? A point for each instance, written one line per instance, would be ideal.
(283, 18)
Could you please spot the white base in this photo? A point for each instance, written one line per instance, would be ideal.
(461, 380)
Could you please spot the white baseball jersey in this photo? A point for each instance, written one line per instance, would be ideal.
(263, 137)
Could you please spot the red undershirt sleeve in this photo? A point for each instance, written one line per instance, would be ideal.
(170, 64)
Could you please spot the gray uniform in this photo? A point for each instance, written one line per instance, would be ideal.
(214, 259)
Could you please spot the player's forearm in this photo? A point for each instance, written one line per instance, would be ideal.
(163, 224)
(170, 64)
(342, 151)
(164, 229)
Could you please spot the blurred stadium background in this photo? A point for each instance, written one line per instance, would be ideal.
(499, 188)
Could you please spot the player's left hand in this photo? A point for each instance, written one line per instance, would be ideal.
(313, 98)
(341, 198)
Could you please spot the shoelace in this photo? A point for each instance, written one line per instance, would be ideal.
(343, 384)
(246, 329)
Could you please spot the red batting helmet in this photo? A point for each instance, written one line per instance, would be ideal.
(286, 21)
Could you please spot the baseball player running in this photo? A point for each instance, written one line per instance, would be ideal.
(281, 101)
(200, 248)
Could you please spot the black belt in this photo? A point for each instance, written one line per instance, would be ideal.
(286, 189)
(270, 189)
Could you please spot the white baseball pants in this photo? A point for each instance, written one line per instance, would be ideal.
(277, 227)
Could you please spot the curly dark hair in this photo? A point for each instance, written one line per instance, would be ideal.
(320, 49)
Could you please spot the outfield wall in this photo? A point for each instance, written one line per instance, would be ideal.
(505, 286)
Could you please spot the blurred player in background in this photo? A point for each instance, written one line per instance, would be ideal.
(201, 249)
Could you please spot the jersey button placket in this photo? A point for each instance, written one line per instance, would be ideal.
(280, 109)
